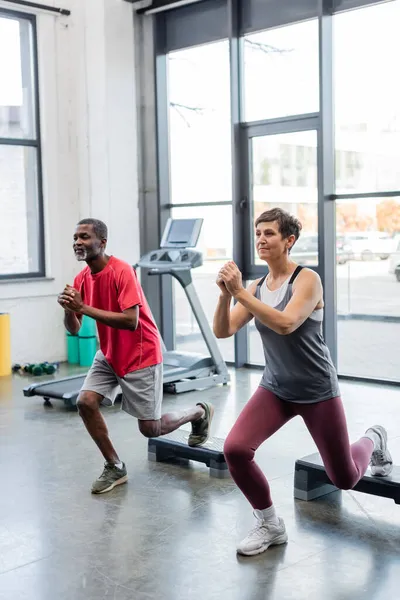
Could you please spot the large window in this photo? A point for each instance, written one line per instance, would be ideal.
(369, 288)
(199, 122)
(281, 71)
(367, 157)
(21, 223)
(312, 109)
(367, 106)
(201, 172)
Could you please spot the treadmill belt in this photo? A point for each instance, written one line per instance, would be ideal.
(174, 372)
(57, 389)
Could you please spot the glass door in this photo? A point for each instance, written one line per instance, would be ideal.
(282, 172)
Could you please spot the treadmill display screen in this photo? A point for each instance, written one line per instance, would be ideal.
(181, 233)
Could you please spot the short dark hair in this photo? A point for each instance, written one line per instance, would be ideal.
(99, 227)
(287, 224)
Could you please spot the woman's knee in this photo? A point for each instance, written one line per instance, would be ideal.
(237, 451)
(343, 480)
(88, 402)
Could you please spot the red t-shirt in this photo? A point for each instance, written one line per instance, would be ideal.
(115, 289)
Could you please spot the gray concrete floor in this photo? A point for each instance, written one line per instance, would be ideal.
(170, 533)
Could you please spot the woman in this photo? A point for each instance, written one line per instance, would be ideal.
(299, 377)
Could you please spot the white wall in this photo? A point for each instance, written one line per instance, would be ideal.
(88, 127)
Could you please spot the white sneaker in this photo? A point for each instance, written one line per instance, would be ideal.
(381, 461)
(262, 536)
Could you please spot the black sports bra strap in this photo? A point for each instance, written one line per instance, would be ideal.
(296, 272)
(259, 284)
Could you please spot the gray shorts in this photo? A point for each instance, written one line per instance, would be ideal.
(142, 390)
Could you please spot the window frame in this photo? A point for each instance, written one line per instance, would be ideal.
(34, 143)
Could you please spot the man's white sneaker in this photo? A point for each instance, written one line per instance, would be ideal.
(263, 535)
(381, 461)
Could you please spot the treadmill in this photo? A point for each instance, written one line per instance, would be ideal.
(66, 389)
(182, 371)
(186, 371)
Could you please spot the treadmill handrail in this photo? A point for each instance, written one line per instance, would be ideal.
(166, 270)
(205, 329)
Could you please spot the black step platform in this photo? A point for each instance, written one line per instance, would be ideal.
(311, 481)
(175, 445)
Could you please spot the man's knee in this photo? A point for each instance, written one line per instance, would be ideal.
(88, 402)
(150, 429)
(236, 451)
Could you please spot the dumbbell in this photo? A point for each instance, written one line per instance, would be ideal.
(41, 368)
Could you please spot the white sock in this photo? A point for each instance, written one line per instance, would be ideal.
(268, 515)
(374, 437)
(119, 465)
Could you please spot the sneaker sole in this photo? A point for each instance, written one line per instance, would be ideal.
(381, 431)
(112, 486)
(209, 429)
(283, 539)
(390, 468)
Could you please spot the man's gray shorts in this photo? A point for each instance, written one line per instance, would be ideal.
(142, 390)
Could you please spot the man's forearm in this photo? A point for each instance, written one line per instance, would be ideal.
(71, 322)
(272, 318)
(221, 323)
(115, 320)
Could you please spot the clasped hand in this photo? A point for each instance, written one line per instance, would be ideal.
(70, 299)
(230, 279)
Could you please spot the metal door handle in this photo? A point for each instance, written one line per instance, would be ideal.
(243, 203)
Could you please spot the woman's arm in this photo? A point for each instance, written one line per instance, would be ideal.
(227, 322)
(307, 293)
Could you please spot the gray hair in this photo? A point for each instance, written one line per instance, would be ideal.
(99, 227)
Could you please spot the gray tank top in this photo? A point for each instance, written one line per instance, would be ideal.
(298, 366)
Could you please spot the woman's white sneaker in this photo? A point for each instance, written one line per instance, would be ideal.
(381, 461)
(264, 535)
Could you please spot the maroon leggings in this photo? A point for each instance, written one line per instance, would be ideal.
(264, 414)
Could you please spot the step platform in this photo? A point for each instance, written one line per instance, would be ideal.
(312, 482)
(174, 446)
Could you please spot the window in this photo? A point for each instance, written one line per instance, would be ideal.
(281, 71)
(281, 142)
(367, 130)
(284, 174)
(199, 124)
(200, 156)
(215, 244)
(21, 223)
(368, 287)
(367, 106)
